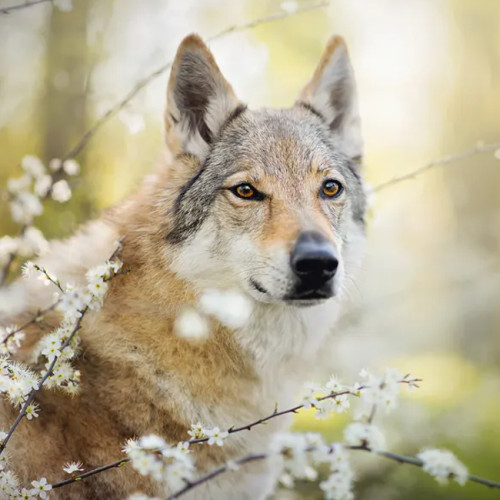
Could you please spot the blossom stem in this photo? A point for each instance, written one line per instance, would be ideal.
(49, 372)
(231, 430)
(40, 314)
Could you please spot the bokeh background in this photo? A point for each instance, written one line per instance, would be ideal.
(428, 72)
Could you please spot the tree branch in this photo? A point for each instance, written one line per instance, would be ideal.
(7, 10)
(231, 430)
(38, 316)
(80, 145)
(34, 392)
(480, 148)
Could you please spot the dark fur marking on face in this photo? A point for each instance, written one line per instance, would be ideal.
(178, 234)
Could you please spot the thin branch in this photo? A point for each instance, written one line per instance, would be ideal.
(7, 10)
(80, 145)
(231, 430)
(38, 316)
(49, 372)
(402, 459)
(50, 369)
(480, 148)
(6, 268)
(261, 456)
(89, 473)
(216, 472)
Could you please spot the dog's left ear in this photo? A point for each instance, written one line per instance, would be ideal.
(331, 93)
(199, 99)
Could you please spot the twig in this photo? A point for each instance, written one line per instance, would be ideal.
(40, 313)
(6, 10)
(216, 472)
(231, 430)
(418, 463)
(261, 456)
(162, 69)
(49, 372)
(480, 148)
(50, 369)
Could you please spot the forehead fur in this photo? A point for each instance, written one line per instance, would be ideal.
(285, 144)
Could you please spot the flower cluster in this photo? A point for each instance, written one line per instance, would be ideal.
(443, 465)
(11, 490)
(30, 242)
(171, 466)
(327, 399)
(26, 192)
(16, 381)
(59, 347)
(298, 455)
(212, 435)
(10, 340)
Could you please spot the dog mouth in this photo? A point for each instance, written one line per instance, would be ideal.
(302, 295)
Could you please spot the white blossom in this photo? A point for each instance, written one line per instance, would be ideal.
(24, 207)
(33, 166)
(55, 164)
(61, 191)
(289, 6)
(443, 465)
(71, 167)
(43, 185)
(41, 487)
(364, 434)
(216, 436)
(63, 5)
(152, 442)
(72, 467)
(197, 431)
(32, 411)
(32, 242)
(231, 308)
(19, 184)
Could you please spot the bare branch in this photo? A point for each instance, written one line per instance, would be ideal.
(80, 145)
(35, 319)
(7, 10)
(479, 148)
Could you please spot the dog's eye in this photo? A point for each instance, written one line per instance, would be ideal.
(247, 192)
(331, 189)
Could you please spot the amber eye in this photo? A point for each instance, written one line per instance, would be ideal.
(331, 189)
(247, 192)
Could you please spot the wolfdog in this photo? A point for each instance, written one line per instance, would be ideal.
(268, 202)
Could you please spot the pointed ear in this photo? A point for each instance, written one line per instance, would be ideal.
(199, 99)
(331, 93)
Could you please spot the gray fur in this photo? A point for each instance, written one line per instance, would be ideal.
(254, 136)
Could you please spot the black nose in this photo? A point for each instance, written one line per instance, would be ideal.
(314, 259)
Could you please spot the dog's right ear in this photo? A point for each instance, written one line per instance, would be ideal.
(331, 93)
(199, 99)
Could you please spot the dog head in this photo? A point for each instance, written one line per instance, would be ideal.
(271, 201)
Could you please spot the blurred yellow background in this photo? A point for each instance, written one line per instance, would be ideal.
(428, 72)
